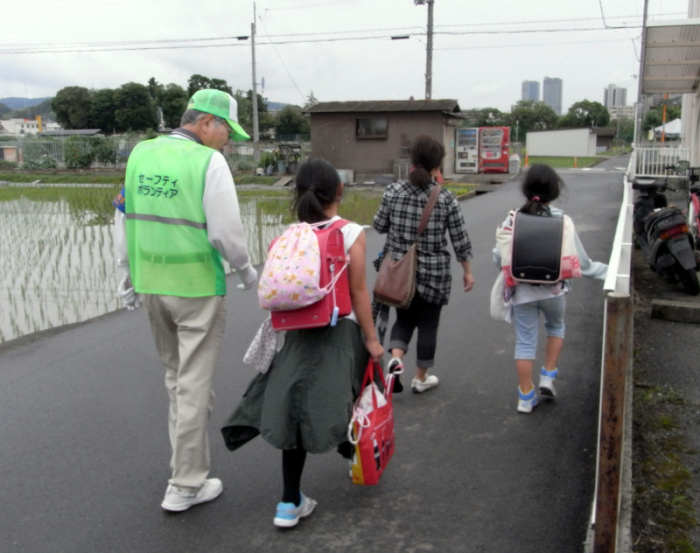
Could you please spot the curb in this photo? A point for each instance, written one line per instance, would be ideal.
(676, 311)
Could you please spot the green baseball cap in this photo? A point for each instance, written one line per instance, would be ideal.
(221, 104)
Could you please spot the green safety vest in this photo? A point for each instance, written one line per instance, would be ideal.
(166, 230)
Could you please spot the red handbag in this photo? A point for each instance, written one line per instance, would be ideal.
(371, 428)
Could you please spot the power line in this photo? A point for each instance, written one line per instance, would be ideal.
(283, 64)
(54, 5)
(602, 13)
(491, 47)
(539, 21)
(173, 44)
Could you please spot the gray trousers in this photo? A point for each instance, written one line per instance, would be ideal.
(188, 333)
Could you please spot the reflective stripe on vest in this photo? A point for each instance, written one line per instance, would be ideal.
(166, 220)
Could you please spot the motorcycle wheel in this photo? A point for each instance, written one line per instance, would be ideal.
(689, 279)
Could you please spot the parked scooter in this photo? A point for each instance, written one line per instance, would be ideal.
(662, 233)
(694, 204)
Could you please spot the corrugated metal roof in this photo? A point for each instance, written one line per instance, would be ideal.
(386, 105)
(71, 132)
(671, 57)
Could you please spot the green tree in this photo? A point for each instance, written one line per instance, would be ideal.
(72, 106)
(291, 120)
(310, 100)
(624, 128)
(102, 110)
(585, 114)
(172, 99)
(104, 150)
(134, 109)
(531, 116)
(79, 153)
(153, 88)
(654, 117)
(245, 111)
(4, 110)
(484, 117)
(198, 82)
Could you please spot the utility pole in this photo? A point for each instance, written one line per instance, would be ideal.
(429, 60)
(640, 85)
(429, 49)
(256, 143)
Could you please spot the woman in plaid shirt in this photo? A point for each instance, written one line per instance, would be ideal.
(399, 215)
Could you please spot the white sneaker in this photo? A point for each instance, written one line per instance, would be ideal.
(547, 383)
(526, 402)
(288, 514)
(178, 500)
(420, 386)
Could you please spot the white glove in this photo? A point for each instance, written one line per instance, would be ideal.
(129, 296)
(249, 276)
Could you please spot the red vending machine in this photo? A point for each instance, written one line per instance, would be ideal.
(494, 149)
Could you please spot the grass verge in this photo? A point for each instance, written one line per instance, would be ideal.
(663, 512)
(565, 162)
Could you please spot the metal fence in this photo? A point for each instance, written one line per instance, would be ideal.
(609, 528)
(48, 154)
(653, 160)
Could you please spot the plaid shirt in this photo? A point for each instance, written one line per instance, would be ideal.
(399, 215)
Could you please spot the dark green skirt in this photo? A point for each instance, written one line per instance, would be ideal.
(305, 399)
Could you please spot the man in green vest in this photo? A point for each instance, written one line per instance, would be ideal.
(181, 218)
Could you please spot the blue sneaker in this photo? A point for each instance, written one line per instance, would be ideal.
(288, 514)
(547, 383)
(526, 402)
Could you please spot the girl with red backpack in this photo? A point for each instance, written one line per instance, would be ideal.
(304, 401)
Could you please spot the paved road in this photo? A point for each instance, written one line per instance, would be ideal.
(84, 454)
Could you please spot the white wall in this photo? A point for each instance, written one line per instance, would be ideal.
(19, 127)
(572, 142)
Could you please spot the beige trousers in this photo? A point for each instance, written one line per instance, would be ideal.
(188, 333)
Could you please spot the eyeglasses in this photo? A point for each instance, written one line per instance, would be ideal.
(223, 122)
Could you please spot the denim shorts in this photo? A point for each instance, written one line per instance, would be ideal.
(526, 318)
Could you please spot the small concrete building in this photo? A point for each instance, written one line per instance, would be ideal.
(370, 140)
(19, 127)
(10, 152)
(584, 142)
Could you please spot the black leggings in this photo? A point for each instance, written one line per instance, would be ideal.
(424, 316)
(292, 466)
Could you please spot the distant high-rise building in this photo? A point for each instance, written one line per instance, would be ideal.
(614, 95)
(551, 93)
(530, 91)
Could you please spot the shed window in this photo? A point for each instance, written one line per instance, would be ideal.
(372, 128)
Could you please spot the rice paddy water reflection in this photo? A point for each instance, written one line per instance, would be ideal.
(58, 255)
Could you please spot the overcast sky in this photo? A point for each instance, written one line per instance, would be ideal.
(339, 49)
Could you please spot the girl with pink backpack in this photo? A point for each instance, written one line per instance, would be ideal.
(304, 400)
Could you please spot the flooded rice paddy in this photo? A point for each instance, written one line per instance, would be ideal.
(58, 255)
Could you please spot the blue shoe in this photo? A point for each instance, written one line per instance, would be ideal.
(547, 383)
(288, 514)
(526, 402)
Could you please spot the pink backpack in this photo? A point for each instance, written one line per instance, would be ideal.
(304, 282)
